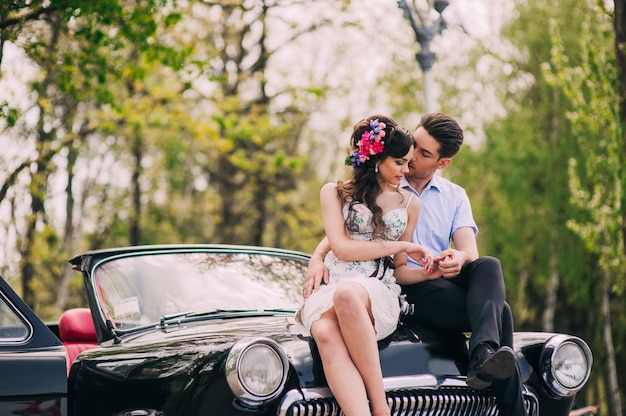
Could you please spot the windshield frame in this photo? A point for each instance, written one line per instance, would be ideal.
(296, 258)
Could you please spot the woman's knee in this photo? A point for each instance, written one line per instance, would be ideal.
(325, 331)
(350, 298)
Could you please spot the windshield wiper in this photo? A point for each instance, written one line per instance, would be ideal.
(280, 310)
(220, 311)
(241, 311)
(168, 318)
(178, 317)
(191, 315)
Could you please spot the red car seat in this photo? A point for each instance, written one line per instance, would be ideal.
(77, 332)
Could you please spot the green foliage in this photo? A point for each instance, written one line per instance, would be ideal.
(596, 176)
(548, 182)
(215, 168)
(9, 113)
(518, 178)
(50, 265)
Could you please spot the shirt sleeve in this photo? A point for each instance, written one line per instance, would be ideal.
(463, 216)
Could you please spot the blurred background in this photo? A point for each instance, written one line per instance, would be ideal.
(127, 122)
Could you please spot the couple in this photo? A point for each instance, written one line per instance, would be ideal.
(394, 205)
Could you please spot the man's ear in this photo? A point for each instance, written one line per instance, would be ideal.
(444, 162)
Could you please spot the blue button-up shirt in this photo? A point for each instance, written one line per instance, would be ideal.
(445, 207)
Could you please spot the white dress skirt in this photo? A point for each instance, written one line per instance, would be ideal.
(377, 279)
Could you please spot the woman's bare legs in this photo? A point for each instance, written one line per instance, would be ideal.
(347, 344)
(342, 376)
(353, 309)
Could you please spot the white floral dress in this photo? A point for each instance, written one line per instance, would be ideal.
(377, 279)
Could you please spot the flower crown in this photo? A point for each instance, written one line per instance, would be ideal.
(371, 143)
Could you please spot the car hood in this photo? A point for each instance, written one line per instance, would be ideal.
(189, 347)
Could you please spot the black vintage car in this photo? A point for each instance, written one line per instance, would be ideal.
(206, 330)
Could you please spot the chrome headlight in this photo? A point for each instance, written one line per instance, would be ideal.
(256, 370)
(566, 364)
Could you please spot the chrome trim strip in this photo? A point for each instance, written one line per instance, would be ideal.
(423, 382)
(27, 324)
(546, 365)
(233, 377)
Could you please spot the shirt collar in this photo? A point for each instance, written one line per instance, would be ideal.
(433, 183)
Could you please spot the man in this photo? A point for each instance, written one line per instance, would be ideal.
(464, 292)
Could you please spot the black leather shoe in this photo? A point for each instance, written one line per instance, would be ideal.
(487, 365)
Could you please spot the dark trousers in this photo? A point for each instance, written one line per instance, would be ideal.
(473, 301)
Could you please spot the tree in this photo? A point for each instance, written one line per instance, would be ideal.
(520, 174)
(71, 45)
(519, 178)
(597, 174)
(619, 25)
(167, 126)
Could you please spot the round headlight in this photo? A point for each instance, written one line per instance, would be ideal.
(256, 370)
(260, 370)
(569, 364)
(566, 364)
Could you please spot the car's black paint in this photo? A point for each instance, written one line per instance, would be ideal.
(32, 367)
(178, 367)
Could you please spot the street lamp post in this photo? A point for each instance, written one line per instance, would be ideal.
(424, 34)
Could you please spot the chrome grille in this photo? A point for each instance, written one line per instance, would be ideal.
(446, 401)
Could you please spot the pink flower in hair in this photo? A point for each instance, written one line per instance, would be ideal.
(371, 144)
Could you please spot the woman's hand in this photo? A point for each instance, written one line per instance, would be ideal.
(316, 273)
(422, 255)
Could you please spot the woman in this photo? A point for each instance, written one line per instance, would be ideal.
(367, 219)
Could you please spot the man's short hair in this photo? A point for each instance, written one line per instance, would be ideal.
(445, 130)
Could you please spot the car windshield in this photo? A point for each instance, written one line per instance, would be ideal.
(143, 289)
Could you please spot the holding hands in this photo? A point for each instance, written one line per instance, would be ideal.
(317, 273)
(446, 264)
(422, 255)
(449, 262)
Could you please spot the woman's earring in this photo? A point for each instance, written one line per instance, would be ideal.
(376, 169)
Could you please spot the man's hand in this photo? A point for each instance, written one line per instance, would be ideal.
(450, 262)
(316, 273)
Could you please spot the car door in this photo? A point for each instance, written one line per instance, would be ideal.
(33, 377)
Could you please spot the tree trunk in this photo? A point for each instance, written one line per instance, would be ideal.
(619, 24)
(134, 227)
(551, 296)
(39, 178)
(226, 221)
(613, 386)
(38, 186)
(27, 264)
(258, 224)
(69, 237)
(554, 204)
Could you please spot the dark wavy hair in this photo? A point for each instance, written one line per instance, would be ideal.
(363, 186)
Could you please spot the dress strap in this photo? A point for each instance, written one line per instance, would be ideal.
(409, 200)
